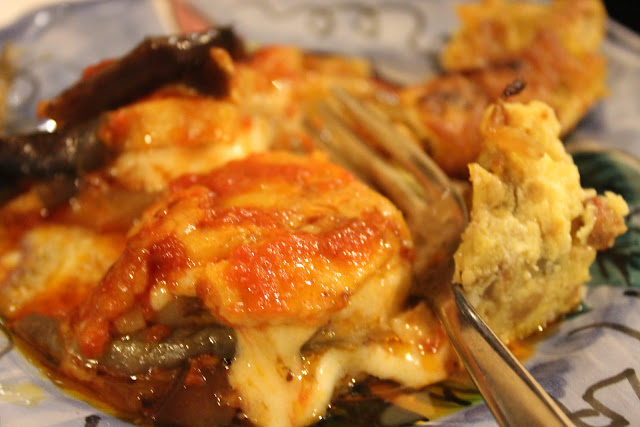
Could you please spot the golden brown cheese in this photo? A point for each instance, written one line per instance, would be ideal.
(268, 239)
(526, 253)
(493, 30)
(491, 51)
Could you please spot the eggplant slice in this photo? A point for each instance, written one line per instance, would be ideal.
(74, 148)
(153, 63)
(133, 354)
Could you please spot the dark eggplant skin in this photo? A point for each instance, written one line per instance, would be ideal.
(42, 332)
(147, 389)
(132, 354)
(155, 62)
(58, 157)
(74, 148)
(73, 151)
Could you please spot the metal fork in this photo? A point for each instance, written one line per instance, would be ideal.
(358, 136)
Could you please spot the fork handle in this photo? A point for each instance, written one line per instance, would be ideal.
(512, 394)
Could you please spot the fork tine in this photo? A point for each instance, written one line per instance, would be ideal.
(402, 149)
(435, 219)
(336, 138)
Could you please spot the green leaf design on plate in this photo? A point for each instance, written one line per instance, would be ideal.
(360, 406)
(387, 404)
(609, 170)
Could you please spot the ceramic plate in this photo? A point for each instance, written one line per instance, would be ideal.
(588, 363)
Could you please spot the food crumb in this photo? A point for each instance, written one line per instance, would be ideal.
(92, 420)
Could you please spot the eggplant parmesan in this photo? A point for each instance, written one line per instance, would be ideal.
(202, 263)
(304, 266)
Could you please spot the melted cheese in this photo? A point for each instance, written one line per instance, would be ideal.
(163, 137)
(56, 266)
(280, 385)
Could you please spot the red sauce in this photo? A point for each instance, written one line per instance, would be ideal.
(240, 176)
(167, 255)
(241, 216)
(285, 273)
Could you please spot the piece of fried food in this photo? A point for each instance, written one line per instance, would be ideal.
(534, 230)
(562, 68)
